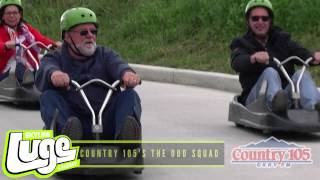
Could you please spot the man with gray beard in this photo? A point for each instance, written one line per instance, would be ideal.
(81, 59)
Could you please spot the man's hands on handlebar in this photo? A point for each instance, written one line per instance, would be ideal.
(263, 58)
(260, 57)
(60, 79)
(316, 58)
(130, 79)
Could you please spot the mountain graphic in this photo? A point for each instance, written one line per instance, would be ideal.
(271, 142)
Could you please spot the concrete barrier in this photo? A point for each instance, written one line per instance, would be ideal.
(220, 81)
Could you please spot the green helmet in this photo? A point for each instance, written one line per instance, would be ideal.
(76, 16)
(259, 3)
(4, 3)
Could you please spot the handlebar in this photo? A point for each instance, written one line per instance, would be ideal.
(295, 88)
(97, 81)
(33, 44)
(97, 127)
(27, 49)
(305, 63)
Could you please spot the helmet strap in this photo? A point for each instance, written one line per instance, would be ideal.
(75, 49)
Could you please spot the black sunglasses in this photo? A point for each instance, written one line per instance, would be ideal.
(256, 18)
(85, 32)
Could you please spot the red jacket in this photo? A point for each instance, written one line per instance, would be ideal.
(5, 54)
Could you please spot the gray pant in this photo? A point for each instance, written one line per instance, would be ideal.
(309, 94)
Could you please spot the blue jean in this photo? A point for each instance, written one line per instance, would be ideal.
(20, 69)
(309, 94)
(121, 105)
(4, 75)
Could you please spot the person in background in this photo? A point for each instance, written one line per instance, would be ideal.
(13, 31)
(252, 57)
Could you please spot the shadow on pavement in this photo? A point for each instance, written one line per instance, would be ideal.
(22, 106)
(285, 135)
(105, 177)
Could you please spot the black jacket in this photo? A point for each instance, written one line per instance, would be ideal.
(279, 45)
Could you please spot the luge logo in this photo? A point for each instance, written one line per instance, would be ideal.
(271, 153)
(37, 152)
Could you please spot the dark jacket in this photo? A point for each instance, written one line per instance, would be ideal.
(104, 64)
(279, 45)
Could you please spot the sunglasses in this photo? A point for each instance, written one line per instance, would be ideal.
(263, 18)
(86, 32)
(14, 13)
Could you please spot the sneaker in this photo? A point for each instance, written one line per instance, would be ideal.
(131, 129)
(72, 128)
(28, 78)
(280, 102)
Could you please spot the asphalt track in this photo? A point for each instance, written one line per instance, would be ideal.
(177, 112)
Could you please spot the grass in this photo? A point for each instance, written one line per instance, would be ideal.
(192, 34)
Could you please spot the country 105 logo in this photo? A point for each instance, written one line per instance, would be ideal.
(271, 153)
(37, 152)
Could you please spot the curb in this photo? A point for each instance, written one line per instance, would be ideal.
(219, 81)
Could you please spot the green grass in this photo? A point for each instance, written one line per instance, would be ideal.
(192, 34)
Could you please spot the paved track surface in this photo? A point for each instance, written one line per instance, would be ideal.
(175, 112)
